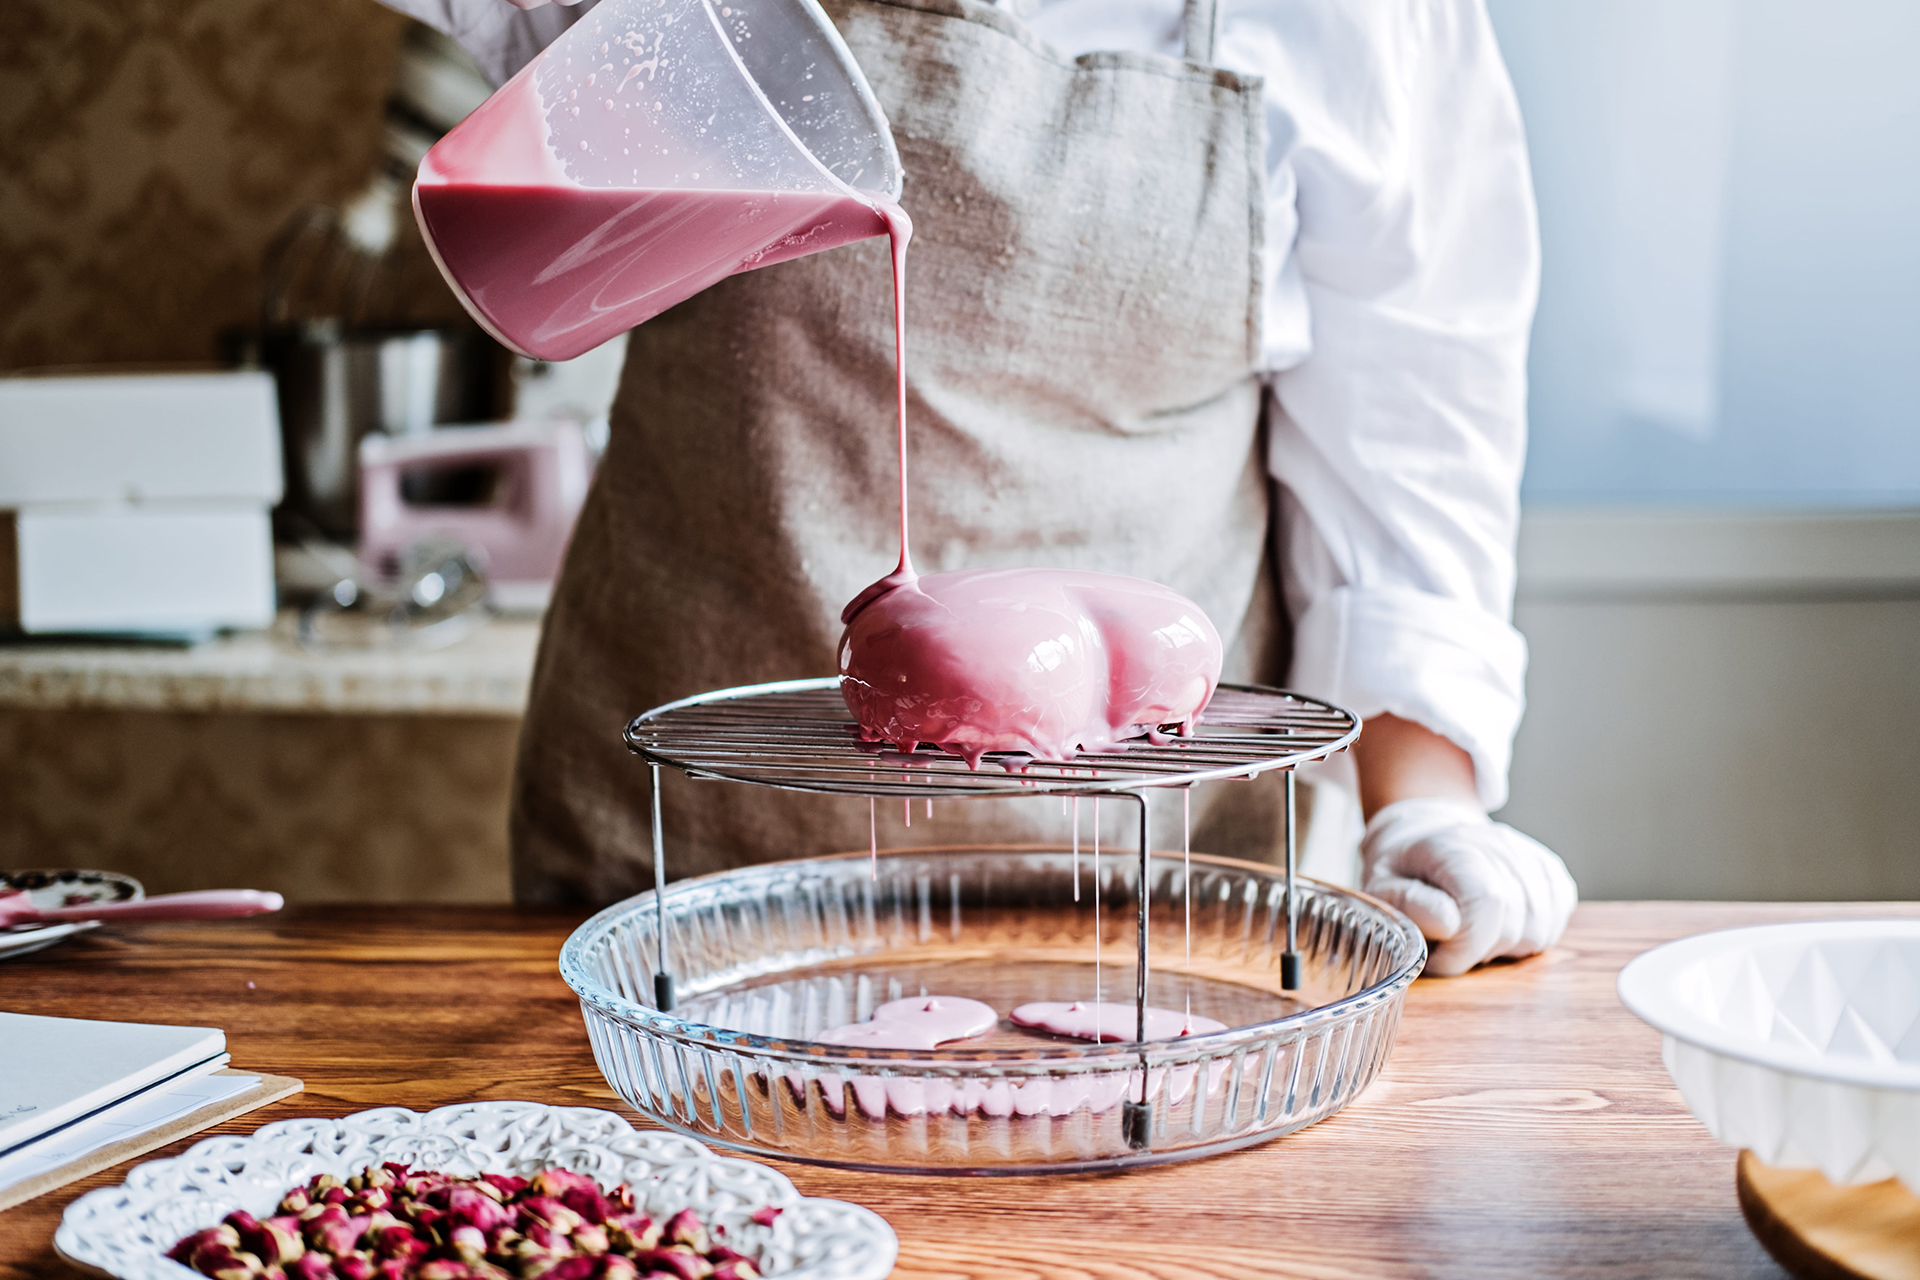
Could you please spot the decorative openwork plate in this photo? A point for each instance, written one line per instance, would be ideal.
(126, 1230)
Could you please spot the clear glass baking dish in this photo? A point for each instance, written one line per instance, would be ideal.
(765, 957)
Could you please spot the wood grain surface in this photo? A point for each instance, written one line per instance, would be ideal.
(1819, 1231)
(1524, 1126)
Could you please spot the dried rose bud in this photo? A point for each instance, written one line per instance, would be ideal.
(739, 1269)
(575, 1268)
(616, 1267)
(507, 1185)
(323, 1182)
(531, 1262)
(720, 1253)
(223, 1263)
(335, 1195)
(295, 1200)
(621, 1198)
(396, 1241)
(547, 1238)
(472, 1208)
(429, 1220)
(356, 1266)
(549, 1213)
(243, 1222)
(223, 1235)
(557, 1182)
(502, 1240)
(591, 1238)
(387, 1175)
(310, 1266)
(765, 1215)
(279, 1241)
(371, 1199)
(686, 1228)
(395, 1269)
(320, 1213)
(632, 1232)
(444, 1269)
(338, 1238)
(676, 1260)
(419, 1184)
(590, 1205)
(469, 1243)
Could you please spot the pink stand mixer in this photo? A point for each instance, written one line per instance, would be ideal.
(507, 493)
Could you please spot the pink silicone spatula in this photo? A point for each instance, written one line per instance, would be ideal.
(206, 904)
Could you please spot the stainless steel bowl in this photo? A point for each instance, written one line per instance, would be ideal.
(766, 957)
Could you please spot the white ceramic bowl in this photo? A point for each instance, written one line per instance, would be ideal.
(1798, 1042)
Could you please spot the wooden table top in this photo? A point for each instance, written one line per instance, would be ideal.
(1523, 1127)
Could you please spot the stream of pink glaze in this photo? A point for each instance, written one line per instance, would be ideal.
(1042, 661)
(1091, 1020)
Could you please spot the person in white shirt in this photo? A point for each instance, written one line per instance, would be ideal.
(1342, 304)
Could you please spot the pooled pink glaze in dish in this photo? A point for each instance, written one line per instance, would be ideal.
(918, 1022)
(1041, 661)
(1085, 1020)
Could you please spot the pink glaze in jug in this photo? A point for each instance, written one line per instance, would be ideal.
(656, 148)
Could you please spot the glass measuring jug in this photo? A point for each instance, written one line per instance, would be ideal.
(656, 148)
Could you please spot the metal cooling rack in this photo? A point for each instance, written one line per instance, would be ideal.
(797, 735)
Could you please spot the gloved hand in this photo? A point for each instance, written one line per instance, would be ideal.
(1477, 888)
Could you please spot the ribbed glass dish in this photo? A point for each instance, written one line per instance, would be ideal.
(766, 957)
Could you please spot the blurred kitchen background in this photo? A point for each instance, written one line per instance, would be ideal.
(1720, 562)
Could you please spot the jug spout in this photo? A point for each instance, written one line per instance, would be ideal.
(639, 159)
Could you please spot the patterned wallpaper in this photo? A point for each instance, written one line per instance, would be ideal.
(150, 148)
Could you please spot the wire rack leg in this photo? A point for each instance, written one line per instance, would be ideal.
(662, 976)
(1290, 958)
(1136, 1117)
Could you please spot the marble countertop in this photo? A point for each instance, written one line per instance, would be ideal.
(486, 673)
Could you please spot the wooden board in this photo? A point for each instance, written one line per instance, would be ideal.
(1819, 1231)
(267, 1089)
(1523, 1128)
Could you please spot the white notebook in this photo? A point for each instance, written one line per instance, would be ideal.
(55, 1070)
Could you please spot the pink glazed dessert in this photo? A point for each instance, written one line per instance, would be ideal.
(1042, 661)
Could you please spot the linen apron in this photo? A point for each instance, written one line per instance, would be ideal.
(1083, 327)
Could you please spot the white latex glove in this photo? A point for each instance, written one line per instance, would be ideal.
(1477, 888)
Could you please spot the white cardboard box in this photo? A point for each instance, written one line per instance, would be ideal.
(131, 438)
(138, 503)
(178, 569)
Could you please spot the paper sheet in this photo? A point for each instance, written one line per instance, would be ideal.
(136, 1115)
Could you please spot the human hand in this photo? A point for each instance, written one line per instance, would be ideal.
(1477, 888)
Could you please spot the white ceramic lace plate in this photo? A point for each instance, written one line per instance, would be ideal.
(126, 1230)
(1799, 1042)
(64, 887)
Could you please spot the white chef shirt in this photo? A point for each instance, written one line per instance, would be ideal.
(1401, 268)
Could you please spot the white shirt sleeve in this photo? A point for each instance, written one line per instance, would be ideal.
(498, 36)
(1403, 267)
